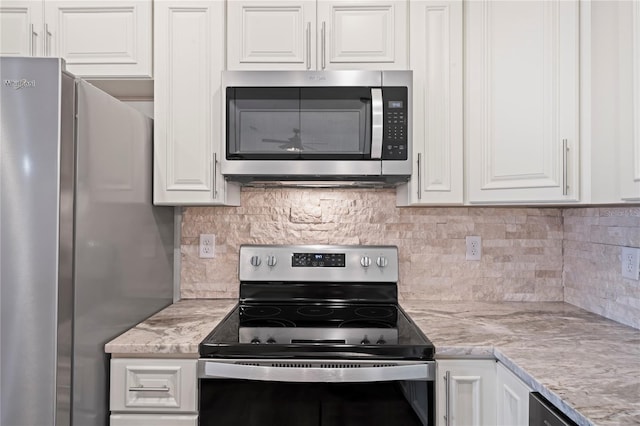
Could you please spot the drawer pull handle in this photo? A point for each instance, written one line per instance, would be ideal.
(149, 389)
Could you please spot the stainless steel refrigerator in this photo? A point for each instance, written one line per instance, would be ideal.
(83, 253)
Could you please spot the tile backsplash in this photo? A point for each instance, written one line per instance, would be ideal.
(521, 247)
(593, 241)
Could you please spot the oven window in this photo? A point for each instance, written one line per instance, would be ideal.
(298, 123)
(255, 403)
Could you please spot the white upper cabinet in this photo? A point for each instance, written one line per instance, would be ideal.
(362, 34)
(20, 23)
(317, 35)
(630, 146)
(436, 61)
(101, 38)
(189, 60)
(96, 38)
(271, 35)
(522, 101)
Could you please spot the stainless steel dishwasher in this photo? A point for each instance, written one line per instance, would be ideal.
(543, 413)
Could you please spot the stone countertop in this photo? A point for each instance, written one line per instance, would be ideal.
(583, 363)
(176, 330)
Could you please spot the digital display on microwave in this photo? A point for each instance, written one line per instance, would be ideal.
(395, 104)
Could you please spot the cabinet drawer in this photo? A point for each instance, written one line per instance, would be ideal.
(154, 419)
(153, 385)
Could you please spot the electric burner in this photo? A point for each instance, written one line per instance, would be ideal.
(268, 322)
(364, 323)
(261, 311)
(374, 312)
(315, 311)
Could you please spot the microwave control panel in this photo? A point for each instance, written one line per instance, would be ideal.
(395, 112)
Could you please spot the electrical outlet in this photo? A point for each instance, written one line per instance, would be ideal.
(474, 248)
(630, 263)
(207, 246)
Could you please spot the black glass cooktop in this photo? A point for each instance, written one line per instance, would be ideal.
(291, 330)
(316, 315)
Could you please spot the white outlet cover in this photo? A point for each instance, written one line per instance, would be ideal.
(207, 247)
(630, 263)
(474, 248)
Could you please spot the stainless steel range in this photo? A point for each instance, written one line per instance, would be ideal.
(326, 318)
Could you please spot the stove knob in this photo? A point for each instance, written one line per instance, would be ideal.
(255, 341)
(271, 261)
(381, 341)
(382, 261)
(256, 261)
(365, 341)
(271, 341)
(365, 261)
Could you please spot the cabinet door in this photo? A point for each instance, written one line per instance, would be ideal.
(630, 153)
(188, 105)
(436, 61)
(512, 399)
(521, 98)
(20, 27)
(369, 34)
(465, 393)
(153, 385)
(271, 35)
(100, 38)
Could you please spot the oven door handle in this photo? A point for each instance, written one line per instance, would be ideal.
(222, 370)
(377, 125)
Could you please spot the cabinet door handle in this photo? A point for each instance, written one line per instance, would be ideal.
(34, 36)
(215, 177)
(419, 176)
(308, 36)
(47, 40)
(447, 403)
(149, 389)
(323, 43)
(565, 168)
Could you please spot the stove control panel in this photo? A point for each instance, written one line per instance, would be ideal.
(318, 263)
(318, 260)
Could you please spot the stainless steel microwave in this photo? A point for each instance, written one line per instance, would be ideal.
(352, 127)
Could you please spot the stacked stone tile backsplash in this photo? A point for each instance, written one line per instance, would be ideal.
(593, 238)
(521, 258)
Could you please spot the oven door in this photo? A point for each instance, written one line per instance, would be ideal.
(316, 392)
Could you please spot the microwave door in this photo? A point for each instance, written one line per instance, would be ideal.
(335, 123)
(263, 123)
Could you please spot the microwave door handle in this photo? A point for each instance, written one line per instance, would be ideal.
(376, 123)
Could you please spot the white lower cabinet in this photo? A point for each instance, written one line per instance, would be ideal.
(512, 398)
(465, 392)
(153, 392)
